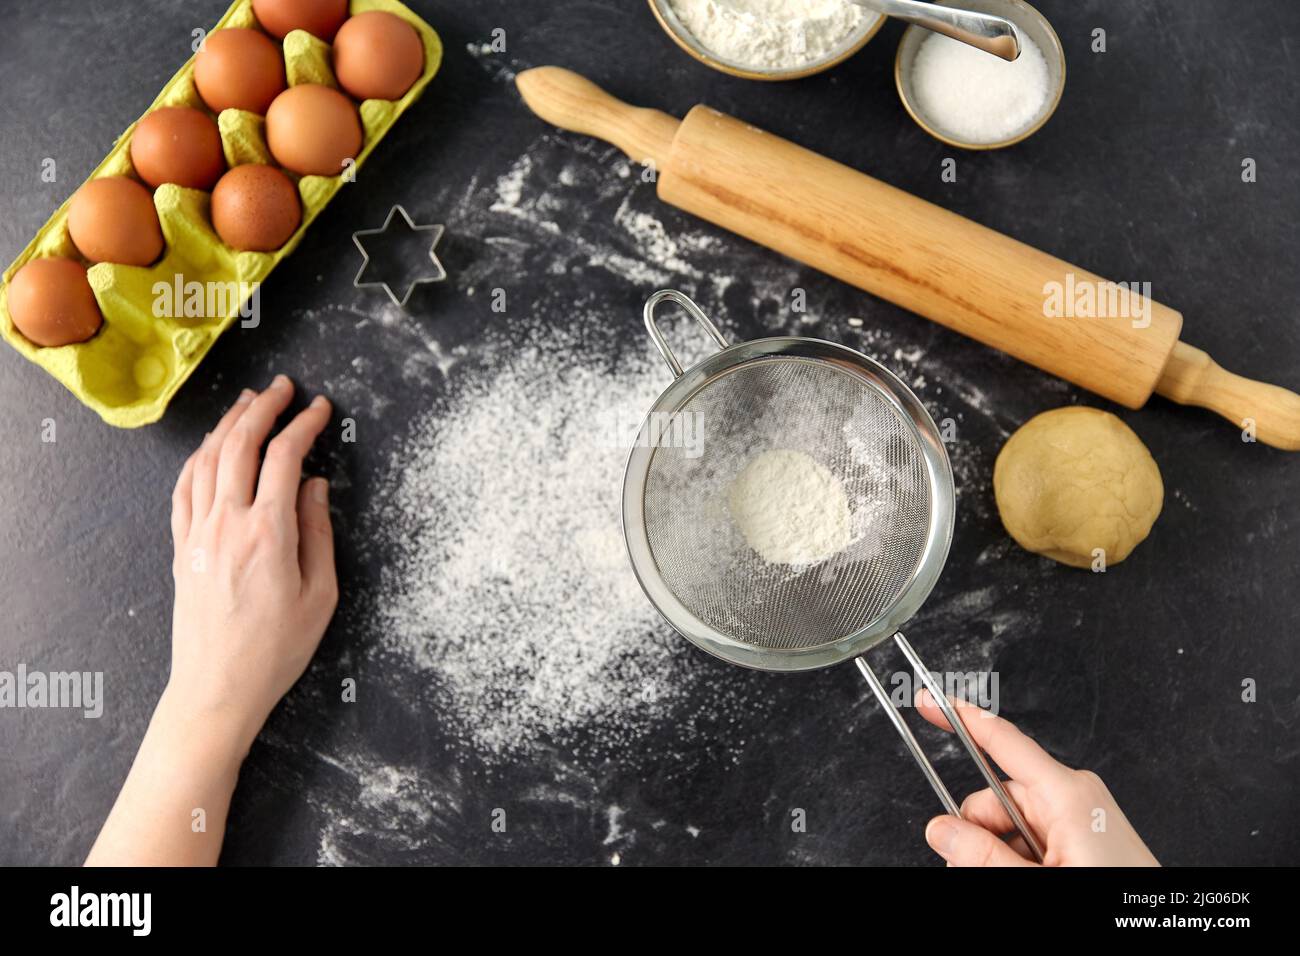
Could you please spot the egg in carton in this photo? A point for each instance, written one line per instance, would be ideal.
(151, 341)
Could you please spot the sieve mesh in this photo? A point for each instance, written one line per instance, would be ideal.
(847, 424)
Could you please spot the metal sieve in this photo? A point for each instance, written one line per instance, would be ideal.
(866, 428)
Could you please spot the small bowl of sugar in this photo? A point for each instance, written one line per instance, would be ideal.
(974, 100)
(768, 39)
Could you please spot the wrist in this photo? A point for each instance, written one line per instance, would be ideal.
(219, 734)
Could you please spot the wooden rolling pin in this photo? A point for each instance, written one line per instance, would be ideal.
(911, 252)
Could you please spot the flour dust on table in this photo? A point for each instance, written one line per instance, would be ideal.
(509, 585)
(504, 585)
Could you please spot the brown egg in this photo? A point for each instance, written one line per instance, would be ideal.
(321, 18)
(312, 129)
(51, 302)
(378, 56)
(113, 219)
(239, 70)
(177, 144)
(255, 208)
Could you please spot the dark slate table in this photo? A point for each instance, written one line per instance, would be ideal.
(1137, 674)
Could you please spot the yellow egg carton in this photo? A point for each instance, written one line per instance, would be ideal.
(131, 369)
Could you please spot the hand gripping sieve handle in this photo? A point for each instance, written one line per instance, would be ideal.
(959, 728)
(693, 310)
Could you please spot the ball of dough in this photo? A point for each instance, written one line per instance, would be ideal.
(1076, 479)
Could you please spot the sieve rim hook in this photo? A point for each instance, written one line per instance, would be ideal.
(694, 311)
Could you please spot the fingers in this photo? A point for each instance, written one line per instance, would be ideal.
(236, 475)
(983, 808)
(316, 541)
(962, 843)
(1015, 753)
(209, 454)
(182, 505)
(282, 469)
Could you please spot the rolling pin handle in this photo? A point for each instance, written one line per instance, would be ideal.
(1267, 412)
(572, 102)
(693, 310)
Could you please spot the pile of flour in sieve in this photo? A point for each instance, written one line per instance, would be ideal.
(773, 34)
(790, 508)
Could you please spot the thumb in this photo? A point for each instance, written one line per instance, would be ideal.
(316, 538)
(962, 843)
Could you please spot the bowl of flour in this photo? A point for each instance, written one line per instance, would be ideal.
(768, 39)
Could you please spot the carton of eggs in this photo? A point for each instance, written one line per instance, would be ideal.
(213, 187)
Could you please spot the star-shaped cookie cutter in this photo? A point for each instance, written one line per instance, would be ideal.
(438, 276)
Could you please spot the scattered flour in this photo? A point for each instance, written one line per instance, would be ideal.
(377, 812)
(774, 34)
(500, 67)
(508, 582)
(504, 589)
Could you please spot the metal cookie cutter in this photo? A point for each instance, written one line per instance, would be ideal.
(438, 275)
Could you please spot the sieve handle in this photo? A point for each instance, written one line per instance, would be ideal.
(691, 309)
(972, 748)
(905, 732)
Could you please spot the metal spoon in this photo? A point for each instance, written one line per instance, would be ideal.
(983, 31)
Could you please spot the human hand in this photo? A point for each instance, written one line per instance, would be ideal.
(253, 565)
(255, 588)
(1071, 811)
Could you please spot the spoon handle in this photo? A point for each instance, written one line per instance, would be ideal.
(995, 35)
